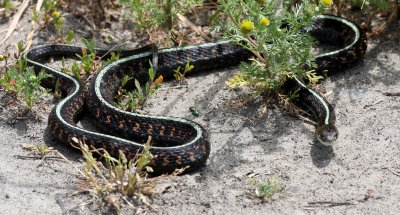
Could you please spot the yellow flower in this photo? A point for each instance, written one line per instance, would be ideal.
(56, 14)
(264, 21)
(247, 26)
(327, 3)
(1, 57)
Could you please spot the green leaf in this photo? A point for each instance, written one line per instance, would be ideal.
(20, 46)
(75, 70)
(194, 111)
(70, 36)
(125, 80)
(138, 88)
(152, 73)
(89, 44)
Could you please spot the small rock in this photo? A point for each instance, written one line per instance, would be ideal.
(7, 196)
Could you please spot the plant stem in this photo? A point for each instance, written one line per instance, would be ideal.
(168, 14)
(255, 44)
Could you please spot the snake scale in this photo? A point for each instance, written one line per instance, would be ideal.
(178, 142)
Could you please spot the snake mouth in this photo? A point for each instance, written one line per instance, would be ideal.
(326, 143)
(327, 134)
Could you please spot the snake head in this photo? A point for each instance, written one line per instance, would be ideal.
(326, 134)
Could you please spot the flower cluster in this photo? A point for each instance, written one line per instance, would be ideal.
(278, 52)
(248, 26)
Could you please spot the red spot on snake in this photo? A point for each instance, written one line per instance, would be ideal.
(122, 124)
(108, 119)
(97, 112)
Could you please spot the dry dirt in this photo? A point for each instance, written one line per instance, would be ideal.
(359, 175)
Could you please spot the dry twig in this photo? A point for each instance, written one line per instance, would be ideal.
(328, 204)
(391, 94)
(193, 26)
(31, 33)
(15, 20)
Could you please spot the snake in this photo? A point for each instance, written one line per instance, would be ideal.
(178, 142)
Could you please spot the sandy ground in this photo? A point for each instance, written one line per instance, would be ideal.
(359, 175)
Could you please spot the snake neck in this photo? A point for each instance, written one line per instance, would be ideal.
(318, 108)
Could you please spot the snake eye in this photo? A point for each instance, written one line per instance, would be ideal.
(327, 134)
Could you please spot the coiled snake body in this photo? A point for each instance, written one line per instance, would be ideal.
(178, 142)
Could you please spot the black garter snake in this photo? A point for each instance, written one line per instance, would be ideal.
(178, 142)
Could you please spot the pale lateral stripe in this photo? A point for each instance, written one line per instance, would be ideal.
(356, 38)
(319, 98)
(62, 103)
(199, 131)
(351, 25)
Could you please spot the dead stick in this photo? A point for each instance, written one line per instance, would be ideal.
(193, 26)
(15, 20)
(60, 202)
(330, 204)
(391, 94)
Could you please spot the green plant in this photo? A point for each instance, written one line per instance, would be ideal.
(276, 39)
(292, 95)
(57, 90)
(194, 111)
(6, 4)
(120, 177)
(70, 36)
(88, 64)
(39, 150)
(58, 21)
(50, 15)
(74, 70)
(89, 61)
(134, 100)
(22, 80)
(266, 190)
(181, 75)
(155, 13)
(112, 179)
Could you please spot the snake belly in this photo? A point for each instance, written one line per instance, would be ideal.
(177, 142)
